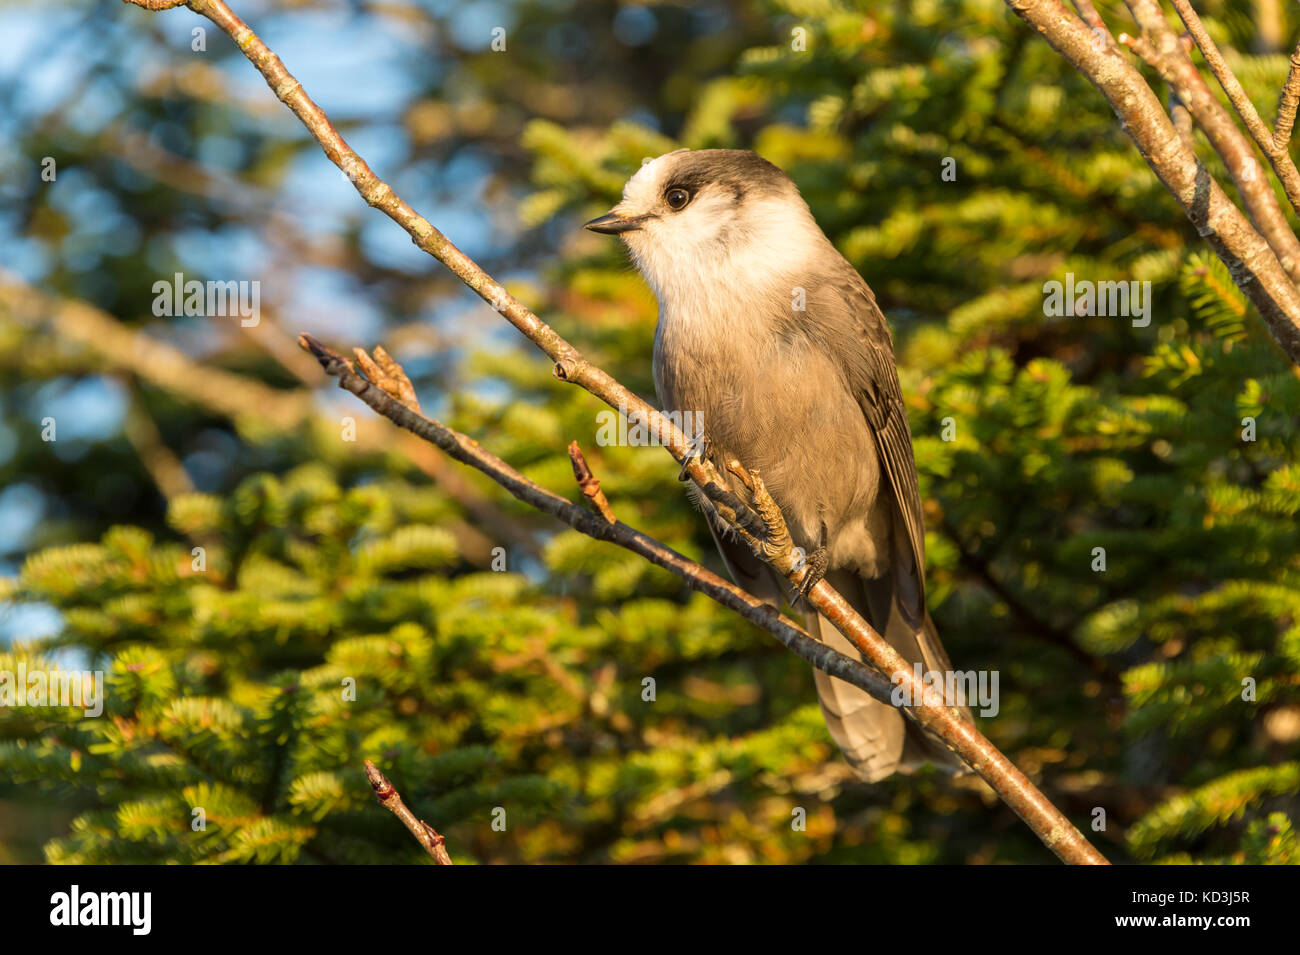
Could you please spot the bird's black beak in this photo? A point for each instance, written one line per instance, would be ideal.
(611, 223)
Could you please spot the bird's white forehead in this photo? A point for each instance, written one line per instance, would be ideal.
(645, 181)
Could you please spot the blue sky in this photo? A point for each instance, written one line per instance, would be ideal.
(362, 78)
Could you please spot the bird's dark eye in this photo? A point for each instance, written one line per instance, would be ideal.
(677, 199)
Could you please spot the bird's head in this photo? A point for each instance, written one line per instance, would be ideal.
(711, 215)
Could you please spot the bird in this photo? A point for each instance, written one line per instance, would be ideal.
(770, 339)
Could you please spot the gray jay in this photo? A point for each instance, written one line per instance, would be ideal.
(769, 337)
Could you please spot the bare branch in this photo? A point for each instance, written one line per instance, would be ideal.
(1286, 105)
(1091, 16)
(1181, 117)
(570, 364)
(1253, 264)
(1227, 79)
(1283, 165)
(466, 450)
(388, 374)
(1160, 47)
(424, 833)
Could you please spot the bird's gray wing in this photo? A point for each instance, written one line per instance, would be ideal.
(875, 738)
(845, 313)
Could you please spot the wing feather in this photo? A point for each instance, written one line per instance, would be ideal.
(850, 309)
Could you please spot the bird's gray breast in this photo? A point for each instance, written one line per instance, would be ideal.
(779, 402)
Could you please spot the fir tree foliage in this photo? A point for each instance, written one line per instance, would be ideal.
(1110, 514)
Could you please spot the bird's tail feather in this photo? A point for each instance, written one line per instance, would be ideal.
(876, 738)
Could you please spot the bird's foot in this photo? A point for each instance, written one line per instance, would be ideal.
(776, 546)
(776, 537)
(385, 373)
(814, 569)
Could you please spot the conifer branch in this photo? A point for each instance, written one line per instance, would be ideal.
(1254, 266)
(391, 799)
(1051, 826)
(1036, 626)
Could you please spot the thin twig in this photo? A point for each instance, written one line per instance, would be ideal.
(425, 834)
(166, 469)
(570, 365)
(589, 484)
(1181, 117)
(467, 451)
(388, 374)
(1090, 15)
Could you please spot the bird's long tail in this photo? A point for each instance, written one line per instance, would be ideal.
(878, 739)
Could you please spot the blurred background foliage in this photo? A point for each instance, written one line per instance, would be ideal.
(374, 560)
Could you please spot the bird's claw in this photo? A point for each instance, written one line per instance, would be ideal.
(815, 567)
(384, 372)
(776, 540)
(777, 537)
(699, 450)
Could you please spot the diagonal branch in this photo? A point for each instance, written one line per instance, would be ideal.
(1162, 50)
(1286, 105)
(141, 430)
(391, 799)
(570, 364)
(1254, 266)
(466, 450)
(1055, 830)
(1092, 18)
(1015, 789)
(1280, 158)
